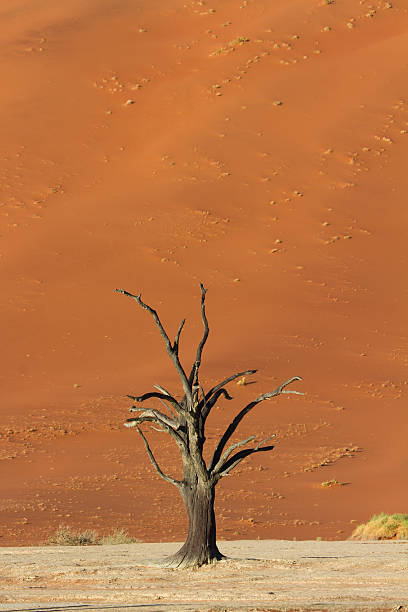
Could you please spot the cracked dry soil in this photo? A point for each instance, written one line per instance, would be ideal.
(261, 575)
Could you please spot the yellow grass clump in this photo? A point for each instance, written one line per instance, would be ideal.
(383, 527)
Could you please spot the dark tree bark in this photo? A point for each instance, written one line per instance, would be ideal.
(184, 420)
(200, 546)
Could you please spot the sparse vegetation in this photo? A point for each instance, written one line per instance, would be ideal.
(241, 40)
(66, 536)
(332, 483)
(383, 527)
(118, 536)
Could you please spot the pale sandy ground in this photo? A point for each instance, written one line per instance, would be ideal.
(261, 575)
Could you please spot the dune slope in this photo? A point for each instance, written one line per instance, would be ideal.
(257, 147)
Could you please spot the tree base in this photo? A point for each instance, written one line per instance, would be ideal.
(186, 559)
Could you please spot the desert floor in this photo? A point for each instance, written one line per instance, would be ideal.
(260, 576)
(259, 147)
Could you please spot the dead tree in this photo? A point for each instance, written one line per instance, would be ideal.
(185, 420)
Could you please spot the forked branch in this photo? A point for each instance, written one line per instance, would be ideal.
(233, 461)
(230, 450)
(172, 351)
(234, 424)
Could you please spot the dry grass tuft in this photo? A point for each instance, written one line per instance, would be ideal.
(118, 536)
(383, 527)
(332, 483)
(66, 536)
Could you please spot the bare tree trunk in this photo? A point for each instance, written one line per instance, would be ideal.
(200, 547)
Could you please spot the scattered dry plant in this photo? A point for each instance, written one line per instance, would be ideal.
(241, 40)
(332, 483)
(383, 527)
(66, 536)
(118, 536)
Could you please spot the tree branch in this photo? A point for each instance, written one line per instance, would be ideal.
(229, 450)
(162, 390)
(177, 340)
(160, 396)
(243, 454)
(279, 390)
(168, 408)
(150, 394)
(231, 463)
(207, 405)
(234, 424)
(226, 381)
(196, 366)
(213, 395)
(152, 416)
(163, 417)
(173, 354)
(177, 483)
(165, 392)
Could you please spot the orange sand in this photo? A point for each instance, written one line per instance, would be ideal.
(292, 214)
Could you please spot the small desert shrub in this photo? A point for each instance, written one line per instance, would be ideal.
(332, 483)
(118, 536)
(65, 536)
(239, 41)
(383, 527)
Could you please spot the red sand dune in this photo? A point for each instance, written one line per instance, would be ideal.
(292, 214)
